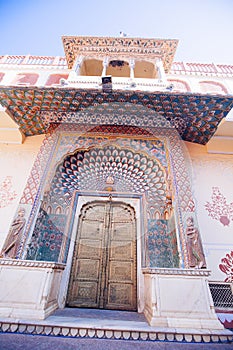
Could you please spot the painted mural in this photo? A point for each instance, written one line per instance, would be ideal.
(7, 193)
(226, 266)
(161, 245)
(148, 161)
(219, 209)
(133, 165)
(47, 237)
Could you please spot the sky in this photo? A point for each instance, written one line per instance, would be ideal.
(204, 28)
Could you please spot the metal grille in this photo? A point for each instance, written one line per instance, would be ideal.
(222, 294)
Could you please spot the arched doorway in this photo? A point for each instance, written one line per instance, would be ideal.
(133, 169)
(104, 272)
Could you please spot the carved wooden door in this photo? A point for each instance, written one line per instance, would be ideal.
(104, 264)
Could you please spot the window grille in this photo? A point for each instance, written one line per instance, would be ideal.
(222, 294)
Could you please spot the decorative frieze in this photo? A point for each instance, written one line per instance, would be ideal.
(117, 46)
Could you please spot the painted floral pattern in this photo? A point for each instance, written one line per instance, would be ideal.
(219, 209)
(161, 245)
(47, 237)
(7, 194)
(226, 266)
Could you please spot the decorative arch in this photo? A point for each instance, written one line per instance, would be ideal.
(112, 167)
(91, 67)
(67, 138)
(179, 85)
(118, 68)
(145, 69)
(213, 87)
(132, 171)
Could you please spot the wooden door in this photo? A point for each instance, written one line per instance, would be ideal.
(103, 271)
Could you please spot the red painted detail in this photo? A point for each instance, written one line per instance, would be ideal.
(55, 79)
(25, 78)
(219, 209)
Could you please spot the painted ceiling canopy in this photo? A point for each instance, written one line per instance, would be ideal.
(194, 116)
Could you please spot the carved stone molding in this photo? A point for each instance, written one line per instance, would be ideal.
(29, 263)
(124, 333)
(174, 271)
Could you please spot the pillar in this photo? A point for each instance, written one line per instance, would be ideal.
(132, 66)
(160, 70)
(77, 64)
(105, 65)
(76, 68)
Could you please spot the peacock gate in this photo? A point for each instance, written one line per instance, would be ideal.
(106, 216)
(107, 219)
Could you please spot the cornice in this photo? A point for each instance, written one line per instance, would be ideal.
(175, 272)
(32, 264)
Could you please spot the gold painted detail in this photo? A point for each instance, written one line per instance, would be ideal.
(104, 263)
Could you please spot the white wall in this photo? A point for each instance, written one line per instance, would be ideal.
(213, 170)
(16, 162)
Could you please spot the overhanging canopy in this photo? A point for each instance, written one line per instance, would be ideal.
(195, 116)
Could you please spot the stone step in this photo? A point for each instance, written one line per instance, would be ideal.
(106, 324)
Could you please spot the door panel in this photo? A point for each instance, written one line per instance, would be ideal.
(104, 263)
(120, 297)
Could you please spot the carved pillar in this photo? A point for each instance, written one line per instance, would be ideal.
(132, 66)
(160, 70)
(77, 64)
(105, 65)
(76, 68)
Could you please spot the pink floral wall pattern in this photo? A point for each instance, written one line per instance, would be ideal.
(226, 266)
(7, 194)
(219, 209)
